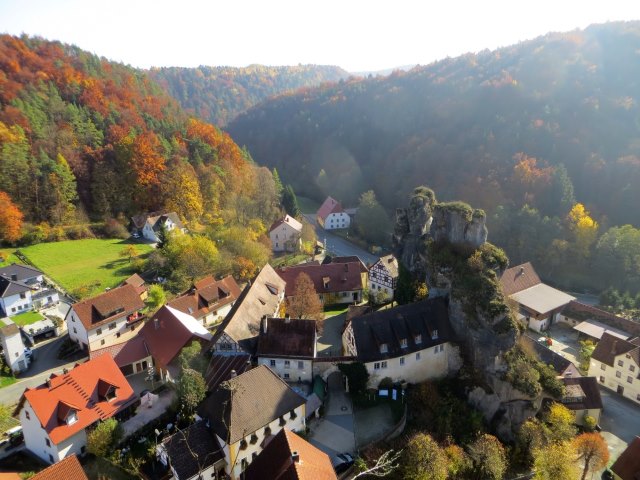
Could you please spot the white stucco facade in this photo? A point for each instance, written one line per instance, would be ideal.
(290, 369)
(38, 442)
(15, 304)
(13, 347)
(286, 235)
(621, 378)
(110, 333)
(335, 221)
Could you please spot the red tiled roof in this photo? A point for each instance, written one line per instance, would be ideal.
(165, 334)
(627, 466)
(276, 462)
(108, 306)
(338, 277)
(78, 390)
(67, 469)
(207, 295)
(292, 222)
(519, 278)
(330, 205)
(124, 353)
(610, 346)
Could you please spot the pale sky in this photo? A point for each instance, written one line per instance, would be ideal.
(353, 34)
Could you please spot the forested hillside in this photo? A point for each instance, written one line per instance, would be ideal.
(83, 139)
(525, 132)
(219, 94)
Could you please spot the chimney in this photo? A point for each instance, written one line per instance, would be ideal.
(233, 374)
(14, 277)
(264, 324)
(613, 347)
(156, 323)
(295, 456)
(521, 271)
(287, 318)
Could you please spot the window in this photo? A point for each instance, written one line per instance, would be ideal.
(102, 342)
(26, 414)
(244, 464)
(632, 368)
(620, 363)
(376, 366)
(601, 379)
(118, 335)
(46, 440)
(293, 415)
(272, 363)
(384, 348)
(603, 367)
(72, 318)
(403, 343)
(618, 375)
(286, 376)
(434, 335)
(287, 364)
(74, 330)
(23, 295)
(417, 355)
(383, 364)
(401, 360)
(418, 339)
(254, 439)
(629, 379)
(72, 417)
(112, 325)
(13, 309)
(300, 365)
(99, 331)
(51, 458)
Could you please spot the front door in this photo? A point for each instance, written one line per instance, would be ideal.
(620, 389)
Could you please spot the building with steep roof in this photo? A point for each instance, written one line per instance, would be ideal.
(106, 319)
(56, 414)
(288, 347)
(245, 413)
(13, 349)
(238, 332)
(335, 283)
(168, 332)
(149, 226)
(616, 364)
(582, 397)
(67, 469)
(192, 454)
(331, 215)
(132, 356)
(383, 277)
(286, 234)
(407, 343)
(627, 466)
(289, 457)
(208, 300)
(539, 305)
(562, 366)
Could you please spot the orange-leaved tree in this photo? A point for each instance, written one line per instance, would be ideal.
(592, 450)
(10, 219)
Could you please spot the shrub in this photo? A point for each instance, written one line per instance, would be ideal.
(114, 229)
(386, 383)
(357, 376)
(589, 423)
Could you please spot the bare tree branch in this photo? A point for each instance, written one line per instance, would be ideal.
(386, 464)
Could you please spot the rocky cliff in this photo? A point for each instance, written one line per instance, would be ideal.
(445, 245)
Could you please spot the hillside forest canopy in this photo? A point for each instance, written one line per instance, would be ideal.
(543, 135)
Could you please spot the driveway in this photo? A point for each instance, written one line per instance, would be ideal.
(46, 363)
(334, 433)
(620, 421)
(339, 246)
(330, 342)
(564, 341)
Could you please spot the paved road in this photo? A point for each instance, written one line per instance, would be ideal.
(45, 364)
(620, 421)
(338, 245)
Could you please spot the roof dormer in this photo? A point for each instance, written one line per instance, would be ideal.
(67, 413)
(106, 391)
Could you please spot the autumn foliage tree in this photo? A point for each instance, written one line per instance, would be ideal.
(592, 450)
(304, 303)
(10, 219)
(424, 459)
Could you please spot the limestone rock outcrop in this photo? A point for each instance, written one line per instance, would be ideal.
(453, 223)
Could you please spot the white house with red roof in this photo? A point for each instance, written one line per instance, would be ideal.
(285, 235)
(107, 319)
(55, 415)
(331, 215)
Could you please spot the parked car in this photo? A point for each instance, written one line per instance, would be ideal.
(607, 475)
(342, 462)
(135, 235)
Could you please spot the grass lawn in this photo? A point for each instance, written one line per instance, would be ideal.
(5, 381)
(334, 310)
(11, 258)
(307, 205)
(93, 263)
(98, 468)
(26, 318)
(289, 259)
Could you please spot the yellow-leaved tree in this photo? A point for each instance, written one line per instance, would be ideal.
(584, 229)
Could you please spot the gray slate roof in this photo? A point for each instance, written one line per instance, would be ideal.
(390, 326)
(22, 272)
(248, 402)
(11, 287)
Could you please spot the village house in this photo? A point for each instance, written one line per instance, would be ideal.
(331, 215)
(107, 319)
(288, 347)
(131, 356)
(289, 457)
(208, 300)
(582, 397)
(335, 283)
(285, 235)
(15, 354)
(245, 413)
(238, 332)
(627, 466)
(539, 305)
(22, 288)
(592, 322)
(149, 226)
(562, 366)
(55, 416)
(383, 277)
(137, 282)
(409, 343)
(616, 364)
(67, 469)
(192, 454)
(168, 332)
